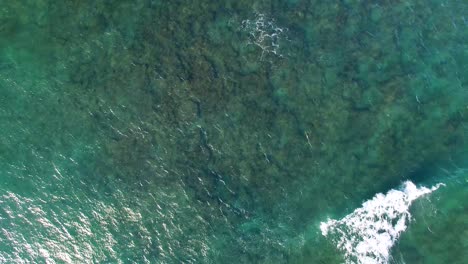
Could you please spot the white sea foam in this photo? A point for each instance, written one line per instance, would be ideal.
(367, 235)
(264, 33)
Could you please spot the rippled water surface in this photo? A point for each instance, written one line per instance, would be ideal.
(227, 131)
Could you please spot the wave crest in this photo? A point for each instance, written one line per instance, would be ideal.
(367, 234)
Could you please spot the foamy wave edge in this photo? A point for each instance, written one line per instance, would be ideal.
(367, 234)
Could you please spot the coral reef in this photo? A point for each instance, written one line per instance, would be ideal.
(169, 97)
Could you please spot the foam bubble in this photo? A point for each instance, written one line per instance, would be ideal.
(367, 234)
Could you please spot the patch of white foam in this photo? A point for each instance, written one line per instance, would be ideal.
(367, 234)
(264, 33)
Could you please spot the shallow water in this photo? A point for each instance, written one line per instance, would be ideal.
(227, 131)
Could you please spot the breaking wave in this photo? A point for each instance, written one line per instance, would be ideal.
(367, 234)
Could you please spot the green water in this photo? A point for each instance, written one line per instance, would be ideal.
(226, 131)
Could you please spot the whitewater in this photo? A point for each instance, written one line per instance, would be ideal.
(367, 234)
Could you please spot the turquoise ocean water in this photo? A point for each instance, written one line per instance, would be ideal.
(204, 131)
